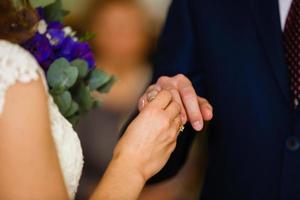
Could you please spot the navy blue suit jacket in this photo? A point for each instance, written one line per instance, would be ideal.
(232, 51)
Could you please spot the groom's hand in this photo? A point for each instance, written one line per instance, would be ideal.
(194, 109)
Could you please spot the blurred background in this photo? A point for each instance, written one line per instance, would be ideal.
(126, 32)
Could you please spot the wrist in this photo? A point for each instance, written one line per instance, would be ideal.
(131, 167)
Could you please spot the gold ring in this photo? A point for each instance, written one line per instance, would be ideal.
(181, 129)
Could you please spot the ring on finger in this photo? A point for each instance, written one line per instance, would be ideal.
(181, 129)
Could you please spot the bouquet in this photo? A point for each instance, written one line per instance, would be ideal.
(68, 62)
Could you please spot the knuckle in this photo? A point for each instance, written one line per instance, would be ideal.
(182, 78)
(163, 79)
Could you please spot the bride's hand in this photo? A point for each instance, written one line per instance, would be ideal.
(151, 138)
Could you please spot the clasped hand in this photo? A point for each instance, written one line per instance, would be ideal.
(151, 138)
(194, 109)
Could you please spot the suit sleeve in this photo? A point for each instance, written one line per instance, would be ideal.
(176, 55)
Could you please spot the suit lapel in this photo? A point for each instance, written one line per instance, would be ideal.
(267, 19)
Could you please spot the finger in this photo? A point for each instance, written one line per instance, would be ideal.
(143, 101)
(190, 101)
(162, 100)
(152, 95)
(153, 87)
(173, 110)
(206, 109)
(176, 125)
(177, 98)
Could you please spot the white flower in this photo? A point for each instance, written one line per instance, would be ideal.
(42, 27)
(69, 31)
(48, 36)
(75, 39)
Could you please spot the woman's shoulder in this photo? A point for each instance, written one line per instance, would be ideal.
(16, 57)
(16, 65)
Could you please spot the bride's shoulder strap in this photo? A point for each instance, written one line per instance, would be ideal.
(16, 65)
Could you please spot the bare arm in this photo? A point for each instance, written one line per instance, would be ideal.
(142, 151)
(29, 165)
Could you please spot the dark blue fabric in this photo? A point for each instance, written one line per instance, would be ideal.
(232, 51)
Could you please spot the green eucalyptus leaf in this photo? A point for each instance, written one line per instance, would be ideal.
(55, 11)
(61, 75)
(72, 110)
(98, 78)
(37, 3)
(72, 76)
(58, 90)
(97, 103)
(86, 101)
(82, 67)
(108, 85)
(63, 101)
(55, 74)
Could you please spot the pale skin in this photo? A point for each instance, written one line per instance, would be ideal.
(29, 164)
(194, 109)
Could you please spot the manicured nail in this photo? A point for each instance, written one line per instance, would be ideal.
(198, 125)
(151, 95)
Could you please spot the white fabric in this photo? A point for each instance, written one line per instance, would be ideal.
(17, 65)
(284, 7)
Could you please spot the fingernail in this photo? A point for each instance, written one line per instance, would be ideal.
(152, 94)
(198, 125)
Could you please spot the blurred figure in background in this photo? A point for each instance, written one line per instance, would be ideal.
(122, 45)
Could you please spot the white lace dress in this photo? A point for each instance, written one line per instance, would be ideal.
(17, 65)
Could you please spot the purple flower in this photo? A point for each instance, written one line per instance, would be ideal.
(72, 50)
(68, 47)
(41, 49)
(54, 43)
(57, 37)
(55, 25)
(90, 60)
(83, 51)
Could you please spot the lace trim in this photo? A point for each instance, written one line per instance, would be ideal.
(16, 65)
